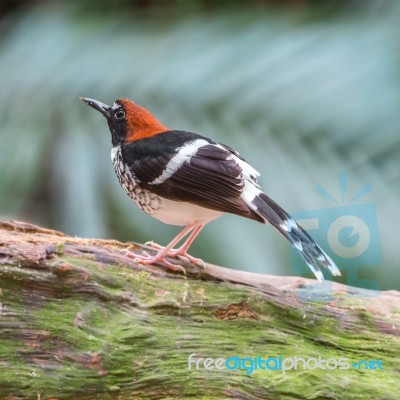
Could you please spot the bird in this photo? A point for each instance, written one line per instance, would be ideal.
(186, 179)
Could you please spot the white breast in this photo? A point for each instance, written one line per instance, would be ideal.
(181, 213)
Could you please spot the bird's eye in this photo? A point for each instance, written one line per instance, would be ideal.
(119, 114)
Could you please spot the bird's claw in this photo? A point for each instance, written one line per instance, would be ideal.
(126, 252)
(193, 260)
(177, 253)
(147, 259)
(154, 245)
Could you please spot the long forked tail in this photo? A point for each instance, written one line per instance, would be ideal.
(312, 254)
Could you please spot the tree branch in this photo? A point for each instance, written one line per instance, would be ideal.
(81, 320)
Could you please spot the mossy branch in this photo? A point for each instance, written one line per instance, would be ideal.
(81, 320)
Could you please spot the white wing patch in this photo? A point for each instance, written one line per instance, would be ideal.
(183, 154)
(248, 171)
(289, 224)
(249, 175)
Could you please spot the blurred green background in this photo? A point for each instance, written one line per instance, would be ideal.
(304, 90)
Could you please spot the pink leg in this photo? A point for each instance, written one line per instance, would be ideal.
(158, 247)
(164, 251)
(182, 251)
(190, 239)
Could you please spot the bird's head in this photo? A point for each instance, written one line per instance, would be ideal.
(127, 120)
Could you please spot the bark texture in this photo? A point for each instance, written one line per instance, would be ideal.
(79, 320)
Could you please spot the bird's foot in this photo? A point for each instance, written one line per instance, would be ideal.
(154, 245)
(147, 259)
(181, 253)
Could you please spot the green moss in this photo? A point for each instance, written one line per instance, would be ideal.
(117, 332)
(60, 248)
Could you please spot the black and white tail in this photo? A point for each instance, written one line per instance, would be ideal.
(312, 254)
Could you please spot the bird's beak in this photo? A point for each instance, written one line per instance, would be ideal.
(98, 105)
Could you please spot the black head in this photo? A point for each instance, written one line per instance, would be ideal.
(116, 118)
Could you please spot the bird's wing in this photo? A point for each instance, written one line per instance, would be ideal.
(198, 171)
